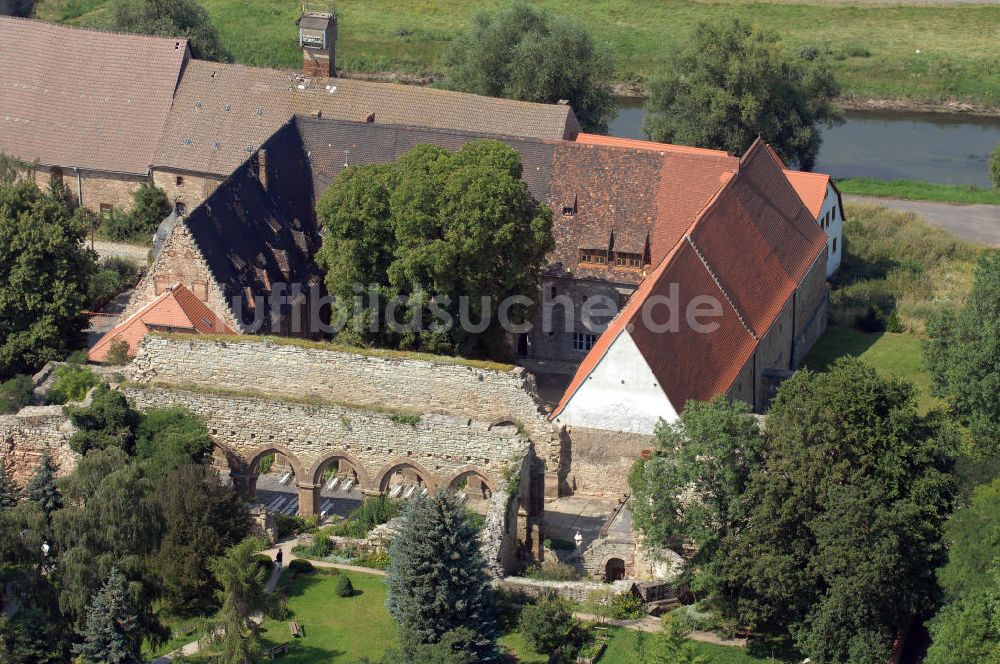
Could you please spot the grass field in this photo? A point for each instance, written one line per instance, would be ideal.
(891, 354)
(873, 48)
(965, 194)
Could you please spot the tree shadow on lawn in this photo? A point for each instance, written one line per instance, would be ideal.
(839, 341)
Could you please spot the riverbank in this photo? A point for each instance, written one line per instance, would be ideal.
(912, 190)
(924, 53)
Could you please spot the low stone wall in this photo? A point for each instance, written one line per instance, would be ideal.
(28, 434)
(572, 590)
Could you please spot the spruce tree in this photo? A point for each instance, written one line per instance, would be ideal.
(112, 634)
(9, 491)
(42, 486)
(437, 578)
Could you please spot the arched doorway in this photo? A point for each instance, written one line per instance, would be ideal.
(339, 480)
(405, 479)
(472, 484)
(273, 480)
(614, 569)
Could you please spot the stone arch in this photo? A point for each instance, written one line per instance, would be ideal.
(314, 475)
(382, 481)
(254, 458)
(614, 569)
(484, 479)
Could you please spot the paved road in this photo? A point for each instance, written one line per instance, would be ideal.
(973, 223)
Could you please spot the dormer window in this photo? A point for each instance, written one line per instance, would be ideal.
(570, 210)
(594, 256)
(627, 260)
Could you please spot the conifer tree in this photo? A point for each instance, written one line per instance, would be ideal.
(42, 486)
(9, 491)
(437, 578)
(112, 634)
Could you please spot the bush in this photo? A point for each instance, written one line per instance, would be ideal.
(375, 560)
(265, 463)
(264, 562)
(15, 394)
(71, 384)
(113, 276)
(547, 625)
(374, 511)
(321, 547)
(122, 227)
(552, 571)
(626, 606)
(343, 587)
(118, 353)
(871, 321)
(300, 566)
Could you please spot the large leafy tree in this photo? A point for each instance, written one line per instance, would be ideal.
(529, 54)
(44, 271)
(169, 438)
(967, 629)
(108, 421)
(963, 356)
(843, 519)
(169, 18)
(690, 492)
(435, 228)
(730, 82)
(242, 593)
(112, 633)
(110, 522)
(202, 519)
(437, 578)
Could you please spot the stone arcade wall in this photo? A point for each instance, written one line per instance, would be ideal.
(483, 395)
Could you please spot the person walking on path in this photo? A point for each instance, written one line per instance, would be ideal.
(277, 559)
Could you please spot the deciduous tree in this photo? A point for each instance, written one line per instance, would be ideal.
(730, 82)
(437, 578)
(530, 54)
(963, 356)
(171, 18)
(169, 438)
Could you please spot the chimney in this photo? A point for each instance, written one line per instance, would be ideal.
(318, 40)
(262, 167)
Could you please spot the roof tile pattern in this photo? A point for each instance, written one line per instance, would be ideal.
(175, 310)
(221, 110)
(811, 188)
(84, 98)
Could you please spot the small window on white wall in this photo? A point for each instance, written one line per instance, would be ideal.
(834, 245)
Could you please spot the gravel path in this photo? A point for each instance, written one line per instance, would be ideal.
(973, 223)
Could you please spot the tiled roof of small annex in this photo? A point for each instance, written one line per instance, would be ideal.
(84, 98)
(223, 112)
(811, 188)
(176, 309)
(752, 278)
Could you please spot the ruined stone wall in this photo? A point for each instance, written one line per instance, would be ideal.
(439, 447)
(25, 436)
(598, 462)
(475, 392)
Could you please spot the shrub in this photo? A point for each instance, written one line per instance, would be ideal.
(374, 511)
(118, 353)
(71, 384)
(300, 566)
(16, 393)
(113, 276)
(626, 606)
(552, 571)
(375, 560)
(871, 321)
(547, 624)
(265, 463)
(343, 587)
(122, 227)
(264, 562)
(321, 547)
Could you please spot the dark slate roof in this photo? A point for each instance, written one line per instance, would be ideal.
(255, 237)
(84, 98)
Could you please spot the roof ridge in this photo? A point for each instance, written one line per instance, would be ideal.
(718, 282)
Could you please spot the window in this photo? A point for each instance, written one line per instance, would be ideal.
(553, 292)
(180, 207)
(834, 245)
(633, 261)
(569, 210)
(180, 180)
(594, 256)
(583, 341)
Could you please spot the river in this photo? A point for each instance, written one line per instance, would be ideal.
(951, 149)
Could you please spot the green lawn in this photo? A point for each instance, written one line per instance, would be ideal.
(873, 48)
(337, 629)
(891, 354)
(920, 191)
(623, 645)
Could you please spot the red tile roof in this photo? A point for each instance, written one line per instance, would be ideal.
(176, 310)
(749, 248)
(811, 188)
(85, 98)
